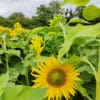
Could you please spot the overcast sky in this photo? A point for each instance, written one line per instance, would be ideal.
(27, 7)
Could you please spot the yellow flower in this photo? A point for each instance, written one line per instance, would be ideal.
(8, 30)
(18, 28)
(17, 24)
(13, 33)
(37, 45)
(2, 28)
(60, 79)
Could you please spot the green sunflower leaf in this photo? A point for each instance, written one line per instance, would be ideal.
(77, 20)
(15, 68)
(19, 92)
(13, 52)
(91, 12)
(75, 2)
(3, 82)
(10, 52)
(75, 32)
(74, 59)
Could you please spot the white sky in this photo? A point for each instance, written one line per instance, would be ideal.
(27, 7)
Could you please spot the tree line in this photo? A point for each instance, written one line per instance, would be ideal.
(43, 15)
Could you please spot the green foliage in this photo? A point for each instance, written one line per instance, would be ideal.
(91, 91)
(75, 2)
(18, 58)
(75, 32)
(3, 81)
(17, 92)
(77, 20)
(84, 92)
(91, 12)
(57, 20)
(78, 45)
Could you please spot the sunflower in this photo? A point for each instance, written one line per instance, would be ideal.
(36, 44)
(59, 79)
(13, 33)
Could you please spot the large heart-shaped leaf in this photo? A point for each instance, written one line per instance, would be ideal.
(91, 12)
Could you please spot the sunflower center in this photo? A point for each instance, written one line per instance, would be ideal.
(56, 77)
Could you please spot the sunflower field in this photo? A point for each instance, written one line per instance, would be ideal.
(56, 62)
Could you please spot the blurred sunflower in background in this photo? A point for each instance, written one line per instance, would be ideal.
(19, 29)
(36, 45)
(59, 79)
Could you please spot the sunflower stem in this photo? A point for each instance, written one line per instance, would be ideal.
(5, 49)
(63, 29)
(98, 80)
(7, 62)
(27, 77)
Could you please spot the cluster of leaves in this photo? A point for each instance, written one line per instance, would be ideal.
(18, 53)
(21, 49)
